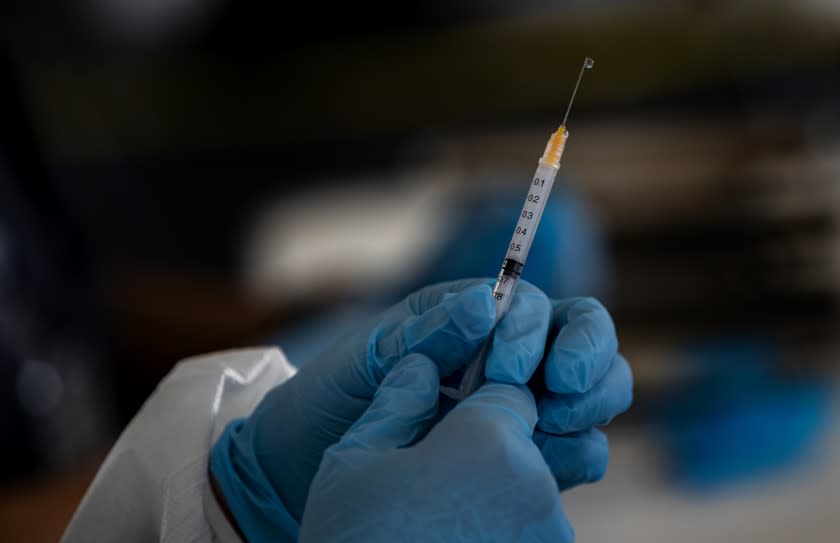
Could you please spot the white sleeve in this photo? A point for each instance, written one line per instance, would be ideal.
(153, 486)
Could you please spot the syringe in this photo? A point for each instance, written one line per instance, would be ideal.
(520, 243)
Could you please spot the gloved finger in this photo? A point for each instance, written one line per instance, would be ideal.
(420, 301)
(449, 331)
(612, 395)
(584, 348)
(575, 458)
(520, 337)
(402, 408)
(507, 408)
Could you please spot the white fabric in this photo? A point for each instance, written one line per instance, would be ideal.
(153, 486)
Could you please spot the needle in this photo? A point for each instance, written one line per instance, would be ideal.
(587, 64)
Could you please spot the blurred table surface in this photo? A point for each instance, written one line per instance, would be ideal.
(636, 503)
(38, 511)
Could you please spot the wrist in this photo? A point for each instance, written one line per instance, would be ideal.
(251, 502)
(223, 504)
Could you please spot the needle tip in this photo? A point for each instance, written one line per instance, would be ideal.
(587, 64)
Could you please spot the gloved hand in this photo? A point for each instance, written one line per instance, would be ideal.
(264, 465)
(584, 383)
(477, 476)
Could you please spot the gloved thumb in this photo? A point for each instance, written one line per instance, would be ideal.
(403, 407)
(497, 405)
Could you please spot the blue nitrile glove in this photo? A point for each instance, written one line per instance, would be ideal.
(584, 382)
(265, 464)
(477, 476)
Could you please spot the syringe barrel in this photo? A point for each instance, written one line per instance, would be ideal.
(523, 236)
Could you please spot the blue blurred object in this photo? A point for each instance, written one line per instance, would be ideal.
(568, 257)
(742, 418)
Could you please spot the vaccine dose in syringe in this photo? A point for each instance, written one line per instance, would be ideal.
(529, 220)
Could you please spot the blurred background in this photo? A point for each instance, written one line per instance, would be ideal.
(180, 176)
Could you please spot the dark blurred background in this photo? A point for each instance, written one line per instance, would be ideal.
(180, 176)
